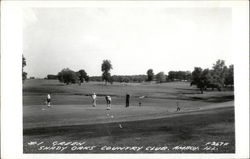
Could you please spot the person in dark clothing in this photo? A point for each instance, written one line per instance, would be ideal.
(108, 100)
(178, 108)
(140, 100)
(127, 100)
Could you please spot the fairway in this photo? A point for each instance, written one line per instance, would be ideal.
(203, 118)
(64, 115)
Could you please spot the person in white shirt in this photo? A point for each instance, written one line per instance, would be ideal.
(48, 100)
(93, 99)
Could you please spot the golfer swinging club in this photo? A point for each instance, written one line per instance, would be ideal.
(94, 99)
(108, 100)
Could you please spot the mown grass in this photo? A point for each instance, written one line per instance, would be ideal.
(186, 130)
(71, 102)
(37, 90)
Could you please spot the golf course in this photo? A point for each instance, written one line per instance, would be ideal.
(204, 124)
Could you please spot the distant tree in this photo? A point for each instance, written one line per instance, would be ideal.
(137, 78)
(150, 74)
(115, 78)
(83, 76)
(87, 78)
(95, 78)
(197, 79)
(217, 77)
(24, 74)
(171, 75)
(119, 79)
(106, 67)
(187, 76)
(229, 79)
(126, 79)
(219, 73)
(106, 76)
(67, 76)
(111, 80)
(160, 77)
(129, 78)
(51, 77)
(179, 75)
(196, 75)
(205, 78)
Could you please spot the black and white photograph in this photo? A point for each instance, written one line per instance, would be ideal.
(129, 79)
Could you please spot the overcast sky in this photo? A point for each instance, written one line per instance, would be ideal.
(134, 39)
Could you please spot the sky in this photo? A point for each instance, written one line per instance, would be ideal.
(134, 39)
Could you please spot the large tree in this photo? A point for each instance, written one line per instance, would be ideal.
(171, 75)
(106, 67)
(83, 76)
(67, 76)
(160, 77)
(219, 73)
(206, 78)
(217, 77)
(229, 79)
(197, 79)
(24, 74)
(150, 74)
(196, 75)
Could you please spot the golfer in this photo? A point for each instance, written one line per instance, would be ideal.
(140, 100)
(93, 99)
(127, 100)
(48, 100)
(178, 108)
(139, 103)
(108, 100)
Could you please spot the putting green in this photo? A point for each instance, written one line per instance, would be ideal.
(62, 115)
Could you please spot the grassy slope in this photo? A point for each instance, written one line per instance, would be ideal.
(35, 91)
(173, 90)
(61, 115)
(187, 129)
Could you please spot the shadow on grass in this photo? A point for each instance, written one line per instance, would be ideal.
(214, 99)
(211, 99)
(42, 90)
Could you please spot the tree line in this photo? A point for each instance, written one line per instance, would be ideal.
(172, 76)
(69, 76)
(218, 77)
